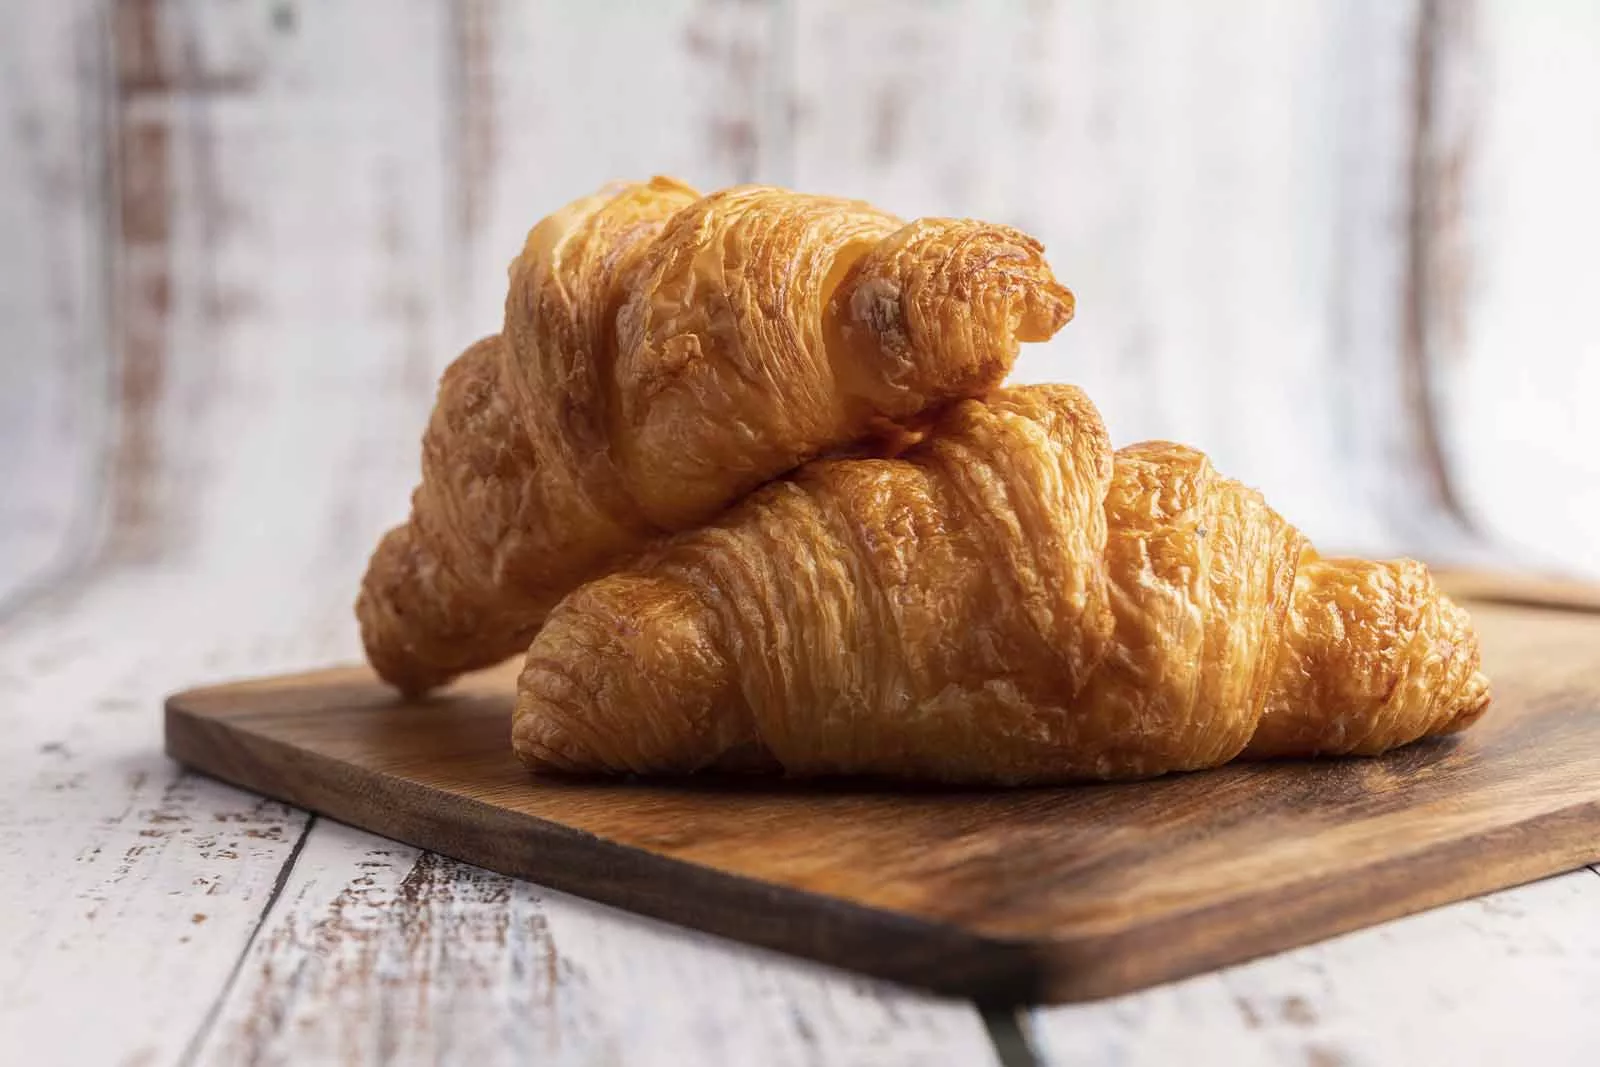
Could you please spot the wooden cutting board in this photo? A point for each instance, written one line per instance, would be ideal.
(1027, 895)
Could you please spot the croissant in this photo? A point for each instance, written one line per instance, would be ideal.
(1006, 602)
(662, 355)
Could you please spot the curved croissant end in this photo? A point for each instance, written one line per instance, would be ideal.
(1005, 602)
(675, 664)
(1375, 657)
(960, 293)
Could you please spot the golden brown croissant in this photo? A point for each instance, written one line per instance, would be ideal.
(662, 355)
(1007, 602)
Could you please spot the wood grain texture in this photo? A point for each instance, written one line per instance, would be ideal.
(376, 953)
(1221, 195)
(282, 267)
(1441, 144)
(1519, 351)
(552, 100)
(125, 883)
(1032, 894)
(56, 367)
(203, 921)
(1539, 590)
(1513, 977)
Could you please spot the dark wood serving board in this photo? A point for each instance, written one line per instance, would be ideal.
(1039, 894)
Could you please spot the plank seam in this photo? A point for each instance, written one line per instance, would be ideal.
(191, 1051)
(1009, 1037)
(1420, 332)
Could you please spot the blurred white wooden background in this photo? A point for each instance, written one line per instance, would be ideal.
(1346, 246)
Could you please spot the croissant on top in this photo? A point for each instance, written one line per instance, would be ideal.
(662, 355)
(1007, 602)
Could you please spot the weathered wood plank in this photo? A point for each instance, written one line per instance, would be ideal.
(1514, 340)
(1440, 149)
(81, 683)
(307, 241)
(376, 953)
(1509, 978)
(55, 369)
(551, 100)
(282, 263)
(131, 886)
(1221, 193)
(125, 884)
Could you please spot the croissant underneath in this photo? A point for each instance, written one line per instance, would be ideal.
(1007, 602)
(663, 354)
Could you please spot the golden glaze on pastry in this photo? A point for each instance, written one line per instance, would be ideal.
(663, 354)
(1007, 602)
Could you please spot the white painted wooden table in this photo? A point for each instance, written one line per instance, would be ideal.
(238, 242)
(150, 916)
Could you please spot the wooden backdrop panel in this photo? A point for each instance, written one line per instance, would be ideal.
(553, 100)
(55, 365)
(1519, 339)
(1221, 195)
(286, 196)
(1339, 246)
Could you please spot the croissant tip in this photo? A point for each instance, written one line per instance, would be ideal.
(1474, 702)
(1046, 311)
(666, 183)
(1065, 304)
(411, 681)
(523, 743)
